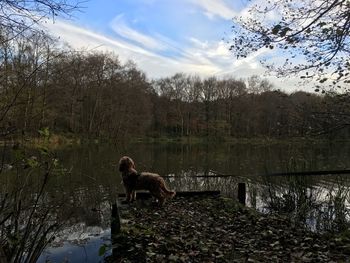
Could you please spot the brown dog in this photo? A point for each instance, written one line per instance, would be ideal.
(133, 180)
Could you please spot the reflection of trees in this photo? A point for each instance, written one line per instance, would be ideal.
(38, 198)
(333, 213)
(28, 217)
(295, 196)
(190, 181)
(322, 206)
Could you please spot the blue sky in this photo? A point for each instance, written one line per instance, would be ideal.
(164, 37)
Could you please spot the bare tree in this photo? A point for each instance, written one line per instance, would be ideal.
(257, 85)
(18, 16)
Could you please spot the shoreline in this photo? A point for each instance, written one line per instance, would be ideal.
(61, 140)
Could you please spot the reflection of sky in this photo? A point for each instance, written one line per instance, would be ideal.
(86, 251)
(320, 201)
(80, 242)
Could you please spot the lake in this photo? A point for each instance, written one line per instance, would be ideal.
(91, 182)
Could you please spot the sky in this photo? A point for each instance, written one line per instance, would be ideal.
(164, 37)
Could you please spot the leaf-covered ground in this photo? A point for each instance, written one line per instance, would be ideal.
(217, 229)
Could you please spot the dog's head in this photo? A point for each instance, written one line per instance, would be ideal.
(126, 164)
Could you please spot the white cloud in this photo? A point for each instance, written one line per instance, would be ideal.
(119, 26)
(220, 50)
(153, 64)
(203, 58)
(253, 58)
(216, 53)
(214, 8)
(79, 37)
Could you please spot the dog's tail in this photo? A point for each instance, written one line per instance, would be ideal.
(167, 192)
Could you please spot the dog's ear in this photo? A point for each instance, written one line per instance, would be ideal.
(122, 166)
(131, 164)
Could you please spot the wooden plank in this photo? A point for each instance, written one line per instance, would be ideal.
(333, 172)
(146, 195)
(218, 175)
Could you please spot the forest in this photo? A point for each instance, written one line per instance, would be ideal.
(94, 95)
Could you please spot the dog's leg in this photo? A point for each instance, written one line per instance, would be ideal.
(158, 195)
(128, 195)
(167, 193)
(133, 195)
(161, 200)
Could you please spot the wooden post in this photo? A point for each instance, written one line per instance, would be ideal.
(241, 193)
(115, 230)
(3, 258)
(115, 220)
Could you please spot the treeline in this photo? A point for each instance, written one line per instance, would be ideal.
(93, 94)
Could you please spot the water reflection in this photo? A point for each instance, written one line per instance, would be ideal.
(91, 182)
(320, 203)
(83, 248)
(86, 228)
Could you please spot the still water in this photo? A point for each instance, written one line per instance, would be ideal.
(92, 182)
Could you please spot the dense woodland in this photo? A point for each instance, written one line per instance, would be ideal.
(93, 94)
